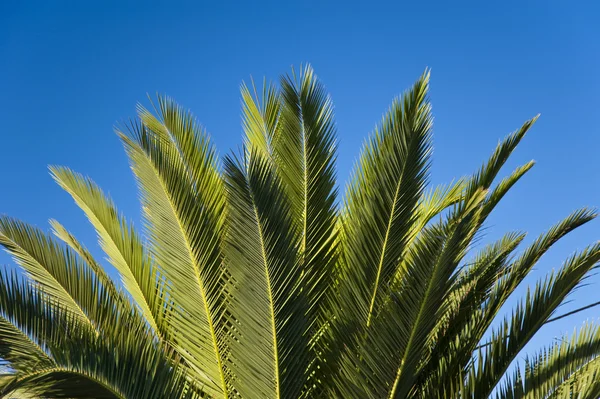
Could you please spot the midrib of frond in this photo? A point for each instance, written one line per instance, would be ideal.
(98, 381)
(271, 302)
(304, 165)
(147, 310)
(411, 339)
(198, 279)
(383, 250)
(71, 299)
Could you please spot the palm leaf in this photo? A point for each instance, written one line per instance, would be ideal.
(381, 200)
(527, 319)
(59, 272)
(304, 149)
(271, 354)
(553, 366)
(184, 237)
(124, 362)
(120, 242)
(260, 117)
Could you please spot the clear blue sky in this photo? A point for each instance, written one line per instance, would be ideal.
(69, 72)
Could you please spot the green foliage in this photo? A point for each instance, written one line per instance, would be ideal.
(250, 280)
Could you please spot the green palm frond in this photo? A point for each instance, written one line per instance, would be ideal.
(250, 280)
(119, 240)
(21, 346)
(268, 358)
(177, 132)
(184, 233)
(304, 148)
(467, 333)
(260, 117)
(75, 361)
(385, 190)
(583, 384)
(399, 333)
(60, 273)
(553, 366)
(69, 239)
(526, 320)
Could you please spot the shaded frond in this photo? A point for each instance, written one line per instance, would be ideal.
(271, 355)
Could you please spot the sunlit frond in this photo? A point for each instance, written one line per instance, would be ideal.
(251, 278)
(184, 232)
(119, 240)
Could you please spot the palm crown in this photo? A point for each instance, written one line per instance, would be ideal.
(251, 281)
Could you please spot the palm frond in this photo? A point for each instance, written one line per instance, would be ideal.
(381, 200)
(184, 231)
(526, 320)
(260, 117)
(58, 270)
(119, 240)
(272, 353)
(21, 346)
(466, 336)
(305, 149)
(124, 362)
(551, 367)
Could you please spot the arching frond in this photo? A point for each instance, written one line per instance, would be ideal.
(185, 241)
(59, 271)
(119, 240)
(553, 366)
(75, 356)
(526, 320)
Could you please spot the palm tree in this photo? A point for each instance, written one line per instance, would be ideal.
(250, 280)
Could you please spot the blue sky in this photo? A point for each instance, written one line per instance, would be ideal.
(69, 72)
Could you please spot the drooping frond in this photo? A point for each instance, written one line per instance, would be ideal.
(551, 367)
(271, 354)
(21, 346)
(526, 320)
(80, 361)
(58, 270)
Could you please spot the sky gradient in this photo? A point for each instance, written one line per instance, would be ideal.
(70, 72)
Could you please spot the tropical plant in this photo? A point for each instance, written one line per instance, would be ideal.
(251, 280)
